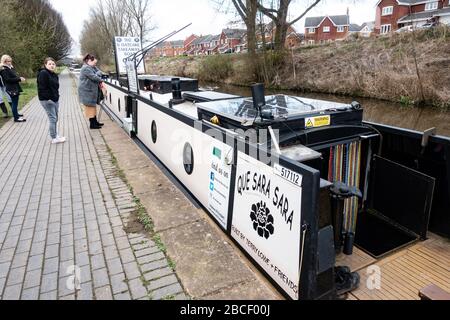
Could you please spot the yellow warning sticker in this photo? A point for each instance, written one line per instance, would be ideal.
(317, 122)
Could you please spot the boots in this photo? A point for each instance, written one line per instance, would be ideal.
(98, 123)
(93, 123)
(4, 110)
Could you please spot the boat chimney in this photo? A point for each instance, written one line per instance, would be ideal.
(259, 98)
(176, 89)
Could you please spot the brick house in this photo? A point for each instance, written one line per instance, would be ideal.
(367, 29)
(168, 49)
(188, 43)
(214, 44)
(326, 29)
(293, 38)
(201, 45)
(391, 15)
(230, 39)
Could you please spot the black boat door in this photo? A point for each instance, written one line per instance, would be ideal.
(409, 192)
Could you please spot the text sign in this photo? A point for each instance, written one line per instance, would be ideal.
(133, 82)
(318, 122)
(219, 181)
(125, 47)
(267, 221)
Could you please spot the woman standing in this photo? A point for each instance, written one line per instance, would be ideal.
(2, 102)
(12, 85)
(88, 89)
(48, 91)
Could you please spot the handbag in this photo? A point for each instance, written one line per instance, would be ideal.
(12, 94)
(102, 92)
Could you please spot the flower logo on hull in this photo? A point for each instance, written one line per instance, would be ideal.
(262, 220)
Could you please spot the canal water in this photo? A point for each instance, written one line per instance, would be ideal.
(379, 111)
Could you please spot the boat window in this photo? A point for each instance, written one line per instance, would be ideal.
(118, 102)
(154, 132)
(188, 158)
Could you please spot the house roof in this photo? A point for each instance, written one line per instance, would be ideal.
(202, 39)
(314, 22)
(420, 16)
(234, 33)
(177, 43)
(354, 27)
(370, 25)
(409, 2)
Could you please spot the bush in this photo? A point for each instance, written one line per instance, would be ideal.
(216, 68)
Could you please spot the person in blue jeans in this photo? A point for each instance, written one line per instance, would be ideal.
(48, 91)
(12, 84)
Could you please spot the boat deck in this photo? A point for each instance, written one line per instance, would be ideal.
(404, 273)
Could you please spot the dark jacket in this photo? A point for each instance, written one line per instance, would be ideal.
(48, 85)
(11, 80)
(88, 86)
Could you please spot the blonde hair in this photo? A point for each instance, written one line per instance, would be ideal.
(3, 59)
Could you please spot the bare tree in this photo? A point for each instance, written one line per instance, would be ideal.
(139, 12)
(111, 18)
(279, 16)
(248, 11)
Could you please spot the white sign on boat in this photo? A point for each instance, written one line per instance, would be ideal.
(125, 47)
(267, 221)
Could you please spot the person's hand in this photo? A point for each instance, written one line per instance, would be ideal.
(23, 79)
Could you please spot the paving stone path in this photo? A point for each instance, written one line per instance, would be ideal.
(65, 216)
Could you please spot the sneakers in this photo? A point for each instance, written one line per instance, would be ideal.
(20, 120)
(58, 140)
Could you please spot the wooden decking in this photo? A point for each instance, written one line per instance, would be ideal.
(404, 273)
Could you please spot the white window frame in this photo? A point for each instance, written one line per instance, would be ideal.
(387, 11)
(431, 6)
(311, 30)
(385, 29)
(340, 29)
(311, 42)
(326, 29)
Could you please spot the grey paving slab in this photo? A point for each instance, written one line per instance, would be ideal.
(62, 213)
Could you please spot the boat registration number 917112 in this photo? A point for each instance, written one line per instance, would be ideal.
(288, 175)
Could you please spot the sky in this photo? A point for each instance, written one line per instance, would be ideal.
(171, 15)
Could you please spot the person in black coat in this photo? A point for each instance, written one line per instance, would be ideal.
(48, 91)
(12, 85)
(2, 102)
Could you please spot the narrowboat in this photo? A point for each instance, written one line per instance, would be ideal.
(294, 182)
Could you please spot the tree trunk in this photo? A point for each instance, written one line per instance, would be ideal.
(252, 7)
(281, 25)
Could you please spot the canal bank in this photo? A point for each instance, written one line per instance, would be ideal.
(381, 68)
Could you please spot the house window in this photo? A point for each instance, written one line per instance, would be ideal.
(431, 6)
(311, 42)
(385, 28)
(312, 30)
(340, 29)
(387, 11)
(326, 29)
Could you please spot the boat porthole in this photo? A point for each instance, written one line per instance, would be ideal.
(119, 104)
(154, 132)
(188, 158)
